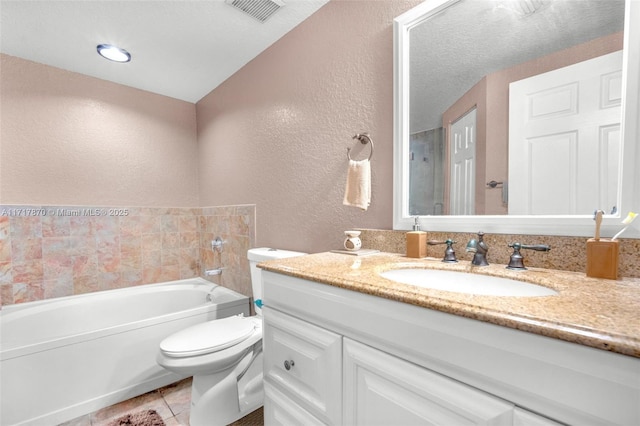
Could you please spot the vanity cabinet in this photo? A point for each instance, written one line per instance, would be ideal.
(357, 359)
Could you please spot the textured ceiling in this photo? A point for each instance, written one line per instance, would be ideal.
(182, 48)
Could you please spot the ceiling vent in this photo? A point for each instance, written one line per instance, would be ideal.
(259, 9)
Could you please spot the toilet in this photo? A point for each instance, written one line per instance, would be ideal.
(224, 356)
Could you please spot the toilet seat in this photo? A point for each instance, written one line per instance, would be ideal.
(219, 360)
(208, 337)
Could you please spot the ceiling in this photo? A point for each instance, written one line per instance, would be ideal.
(180, 48)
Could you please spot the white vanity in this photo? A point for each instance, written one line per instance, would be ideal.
(338, 356)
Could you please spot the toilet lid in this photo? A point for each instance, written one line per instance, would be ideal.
(208, 337)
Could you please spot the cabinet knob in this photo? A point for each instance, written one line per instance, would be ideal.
(288, 365)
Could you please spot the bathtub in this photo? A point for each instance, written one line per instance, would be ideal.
(66, 357)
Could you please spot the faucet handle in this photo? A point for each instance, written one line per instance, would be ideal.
(449, 252)
(516, 261)
(536, 247)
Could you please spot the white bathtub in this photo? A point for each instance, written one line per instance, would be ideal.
(65, 357)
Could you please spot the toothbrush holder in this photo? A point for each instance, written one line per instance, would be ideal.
(602, 258)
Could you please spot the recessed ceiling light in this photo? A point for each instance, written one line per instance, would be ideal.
(113, 53)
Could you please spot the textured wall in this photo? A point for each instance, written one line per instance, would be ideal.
(276, 132)
(75, 140)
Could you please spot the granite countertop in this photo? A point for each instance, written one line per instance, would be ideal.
(603, 314)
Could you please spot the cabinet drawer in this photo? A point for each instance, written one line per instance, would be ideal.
(304, 362)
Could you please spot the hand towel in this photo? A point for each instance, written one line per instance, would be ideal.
(358, 189)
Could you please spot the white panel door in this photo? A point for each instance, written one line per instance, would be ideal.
(567, 123)
(381, 389)
(463, 164)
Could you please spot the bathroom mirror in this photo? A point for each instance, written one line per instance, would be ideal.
(483, 80)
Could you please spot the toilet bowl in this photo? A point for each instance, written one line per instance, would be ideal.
(224, 356)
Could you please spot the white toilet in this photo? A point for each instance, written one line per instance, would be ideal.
(224, 356)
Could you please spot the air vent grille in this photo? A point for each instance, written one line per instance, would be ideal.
(259, 9)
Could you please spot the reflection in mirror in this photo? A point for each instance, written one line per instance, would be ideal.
(509, 115)
(469, 154)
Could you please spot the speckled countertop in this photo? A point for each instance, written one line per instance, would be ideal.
(603, 314)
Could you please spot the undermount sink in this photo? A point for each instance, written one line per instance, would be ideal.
(462, 282)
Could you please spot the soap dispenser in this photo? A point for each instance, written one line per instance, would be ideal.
(416, 242)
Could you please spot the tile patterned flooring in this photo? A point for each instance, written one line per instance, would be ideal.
(171, 402)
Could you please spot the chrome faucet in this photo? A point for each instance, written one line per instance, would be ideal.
(480, 249)
(517, 260)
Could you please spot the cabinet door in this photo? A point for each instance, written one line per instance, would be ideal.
(381, 389)
(304, 362)
(281, 411)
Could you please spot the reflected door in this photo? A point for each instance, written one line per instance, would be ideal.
(564, 139)
(463, 164)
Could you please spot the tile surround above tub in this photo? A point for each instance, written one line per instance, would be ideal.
(236, 225)
(55, 251)
(567, 253)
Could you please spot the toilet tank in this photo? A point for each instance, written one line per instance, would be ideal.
(258, 255)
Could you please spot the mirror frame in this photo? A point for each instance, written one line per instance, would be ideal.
(570, 225)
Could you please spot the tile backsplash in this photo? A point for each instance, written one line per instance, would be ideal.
(567, 253)
(54, 251)
(236, 225)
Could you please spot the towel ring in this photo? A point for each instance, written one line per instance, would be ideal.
(364, 139)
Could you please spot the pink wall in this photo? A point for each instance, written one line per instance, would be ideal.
(275, 135)
(276, 132)
(71, 143)
(75, 140)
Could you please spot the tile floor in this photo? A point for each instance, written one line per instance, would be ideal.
(171, 403)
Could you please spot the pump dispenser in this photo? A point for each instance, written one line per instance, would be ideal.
(416, 241)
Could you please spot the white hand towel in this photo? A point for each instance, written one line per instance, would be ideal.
(358, 189)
